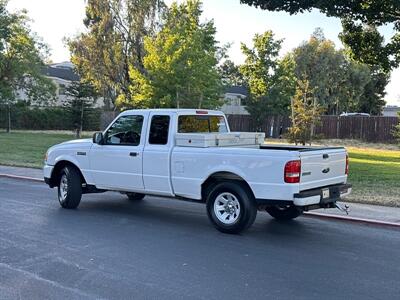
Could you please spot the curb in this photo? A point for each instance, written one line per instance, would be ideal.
(21, 177)
(352, 219)
(306, 214)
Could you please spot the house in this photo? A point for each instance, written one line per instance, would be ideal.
(62, 75)
(391, 111)
(235, 100)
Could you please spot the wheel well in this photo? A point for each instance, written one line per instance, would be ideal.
(218, 177)
(55, 175)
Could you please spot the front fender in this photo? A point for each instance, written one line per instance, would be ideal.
(68, 158)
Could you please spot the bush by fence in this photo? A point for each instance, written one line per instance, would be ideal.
(370, 129)
(47, 118)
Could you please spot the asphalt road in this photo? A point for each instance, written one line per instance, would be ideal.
(167, 249)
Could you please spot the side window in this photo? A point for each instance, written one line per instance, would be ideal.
(125, 131)
(159, 128)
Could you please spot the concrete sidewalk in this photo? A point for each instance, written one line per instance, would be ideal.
(25, 172)
(358, 212)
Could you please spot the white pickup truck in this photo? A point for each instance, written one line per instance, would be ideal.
(192, 155)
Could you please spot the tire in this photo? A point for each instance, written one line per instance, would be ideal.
(231, 207)
(284, 213)
(135, 196)
(69, 188)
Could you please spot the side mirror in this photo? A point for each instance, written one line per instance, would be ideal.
(98, 138)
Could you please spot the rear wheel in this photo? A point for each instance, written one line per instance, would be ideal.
(231, 207)
(135, 196)
(69, 188)
(284, 212)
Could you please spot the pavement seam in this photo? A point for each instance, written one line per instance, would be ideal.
(351, 219)
(52, 283)
(21, 177)
(310, 214)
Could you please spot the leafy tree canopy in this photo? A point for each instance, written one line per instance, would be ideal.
(270, 79)
(180, 62)
(230, 74)
(79, 102)
(114, 41)
(337, 82)
(367, 11)
(22, 56)
(360, 19)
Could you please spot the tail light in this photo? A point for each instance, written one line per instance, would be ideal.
(292, 171)
(347, 164)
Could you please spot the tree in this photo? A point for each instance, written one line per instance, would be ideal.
(354, 14)
(230, 74)
(270, 80)
(22, 56)
(337, 82)
(181, 63)
(80, 99)
(114, 43)
(306, 114)
(366, 45)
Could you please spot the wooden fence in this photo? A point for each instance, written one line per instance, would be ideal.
(370, 129)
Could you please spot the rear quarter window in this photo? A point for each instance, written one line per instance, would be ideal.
(159, 129)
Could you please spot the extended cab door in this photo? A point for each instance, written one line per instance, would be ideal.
(117, 164)
(157, 154)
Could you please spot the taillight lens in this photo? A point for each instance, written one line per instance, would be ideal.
(292, 171)
(347, 164)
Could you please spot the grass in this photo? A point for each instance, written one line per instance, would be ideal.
(27, 148)
(374, 173)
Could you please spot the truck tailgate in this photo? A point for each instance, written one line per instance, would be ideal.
(322, 167)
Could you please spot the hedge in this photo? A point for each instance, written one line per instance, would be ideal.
(47, 118)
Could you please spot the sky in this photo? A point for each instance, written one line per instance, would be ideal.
(54, 20)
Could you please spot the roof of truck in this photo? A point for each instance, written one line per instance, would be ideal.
(175, 110)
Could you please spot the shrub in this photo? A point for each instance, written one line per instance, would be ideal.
(396, 131)
(46, 118)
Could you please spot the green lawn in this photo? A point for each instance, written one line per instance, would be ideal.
(27, 148)
(374, 173)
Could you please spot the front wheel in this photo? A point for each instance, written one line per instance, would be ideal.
(69, 188)
(231, 207)
(284, 212)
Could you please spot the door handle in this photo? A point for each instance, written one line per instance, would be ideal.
(133, 154)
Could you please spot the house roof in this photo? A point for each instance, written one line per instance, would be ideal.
(61, 72)
(391, 108)
(237, 89)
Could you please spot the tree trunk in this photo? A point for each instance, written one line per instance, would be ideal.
(8, 130)
(201, 101)
(177, 98)
(313, 119)
(79, 130)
